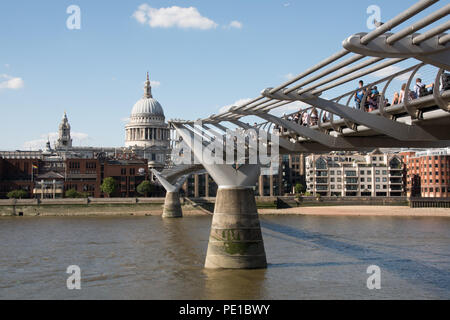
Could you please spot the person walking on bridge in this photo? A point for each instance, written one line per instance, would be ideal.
(359, 94)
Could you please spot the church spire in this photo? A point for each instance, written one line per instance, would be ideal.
(147, 88)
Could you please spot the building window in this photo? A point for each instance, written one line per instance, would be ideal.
(321, 164)
(123, 171)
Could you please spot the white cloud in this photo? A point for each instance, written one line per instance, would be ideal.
(125, 119)
(10, 82)
(79, 138)
(287, 4)
(289, 108)
(173, 17)
(237, 103)
(155, 83)
(289, 76)
(235, 24)
(385, 72)
(6, 65)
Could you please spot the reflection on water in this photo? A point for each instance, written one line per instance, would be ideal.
(151, 258)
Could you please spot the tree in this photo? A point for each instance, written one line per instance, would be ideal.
(72, 193)
(109, 186)
(17, 194)
(299, 188)
(145, 187)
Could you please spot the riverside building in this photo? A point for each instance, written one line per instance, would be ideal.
(351, 174)
(428, 173)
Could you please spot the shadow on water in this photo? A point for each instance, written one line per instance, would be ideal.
(405, 268)
(318, 264)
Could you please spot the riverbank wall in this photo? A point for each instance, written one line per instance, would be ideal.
(153, 206)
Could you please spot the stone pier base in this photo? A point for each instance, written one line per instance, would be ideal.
(235, 241)
(172, 206)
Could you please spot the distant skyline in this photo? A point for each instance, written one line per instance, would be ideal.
(202, 56)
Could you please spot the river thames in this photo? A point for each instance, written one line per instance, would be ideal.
(309, 257)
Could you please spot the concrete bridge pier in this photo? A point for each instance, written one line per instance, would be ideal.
(235, 240)
(172, 204)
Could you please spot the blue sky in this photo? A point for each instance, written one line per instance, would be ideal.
(232, 51)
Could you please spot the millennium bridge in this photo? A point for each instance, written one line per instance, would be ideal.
(328, 119)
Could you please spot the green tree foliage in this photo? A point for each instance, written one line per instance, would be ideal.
(17, 194)
(72, 193)
(299, 188)
(109, 186)
(145, 187)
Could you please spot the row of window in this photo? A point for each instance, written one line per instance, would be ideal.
(76, 165)
(442, 181)
(123, 171)
(353, 173)
(437, 189)
(363, 187)
(350, 180)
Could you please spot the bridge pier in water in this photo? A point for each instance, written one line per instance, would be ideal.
(172, 205)
(235, 240)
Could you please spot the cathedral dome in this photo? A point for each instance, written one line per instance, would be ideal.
(147, 106)
(147, 127)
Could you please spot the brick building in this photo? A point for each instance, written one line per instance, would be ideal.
(428, 173)
(50, 176)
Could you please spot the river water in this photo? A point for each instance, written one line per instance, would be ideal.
(151, 258)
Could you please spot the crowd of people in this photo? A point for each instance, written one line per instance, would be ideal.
(373, 96)
(310, 117)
